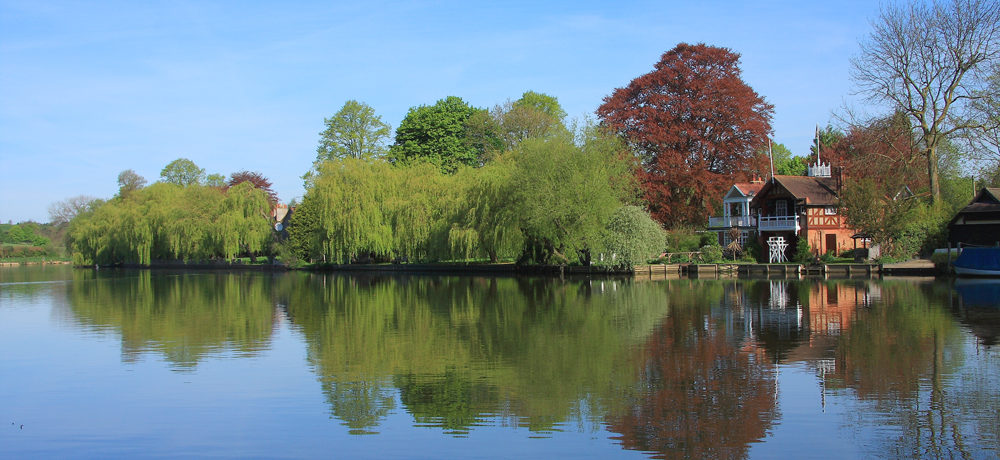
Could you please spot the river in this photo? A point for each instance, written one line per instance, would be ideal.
(140, 363)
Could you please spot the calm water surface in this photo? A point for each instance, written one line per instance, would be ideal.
(179, 364)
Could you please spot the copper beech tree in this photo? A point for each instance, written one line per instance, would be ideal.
(696, 127)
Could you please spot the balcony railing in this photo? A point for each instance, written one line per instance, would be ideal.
(778, 223)
(732, 221)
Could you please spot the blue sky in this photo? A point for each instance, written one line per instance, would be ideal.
(88, 89)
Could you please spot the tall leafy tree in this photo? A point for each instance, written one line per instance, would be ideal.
(785, 163)
(929, 61)
(355, 131)
(505, 126)
(182, 172)
(695, 125)
(437, 134)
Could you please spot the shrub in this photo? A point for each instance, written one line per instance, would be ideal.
(683, 240)
(632, 236)
(803, 254)
(753, 252)
(708, 239)
(711, 254)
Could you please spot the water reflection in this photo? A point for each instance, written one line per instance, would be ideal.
(181, 316)
(704, 389)
(463, 350)
(675, 368)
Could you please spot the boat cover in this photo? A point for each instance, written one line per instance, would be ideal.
(979, 258)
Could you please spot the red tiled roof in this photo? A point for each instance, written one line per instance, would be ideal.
(749, 188)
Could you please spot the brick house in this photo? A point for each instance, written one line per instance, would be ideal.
(797, 207)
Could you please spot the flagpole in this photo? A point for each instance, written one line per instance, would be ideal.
(818, 162)
(770, 157)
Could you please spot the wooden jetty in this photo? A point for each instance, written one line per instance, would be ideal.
(660, 271)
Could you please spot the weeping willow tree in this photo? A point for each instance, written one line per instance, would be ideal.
(350, 199)
(172, 222)
(549, 201)
(243, 224)
(490, 221)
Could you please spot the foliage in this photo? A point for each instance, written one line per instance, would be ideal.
(565, 194)
(503, 128)
(632, 237)
(695, 126)
(257, 180)
(24, 233)
(877, 210)
(786, 164)
(166, 221)
(436, 134)
(927, 60)
(215, 180)
(129, 181)
(182, 172)
(883, 150)
(803, 253)
(924, 231)
(683, 239)
(355, 131)
(547, 201)
(711, 254)
(753, 252)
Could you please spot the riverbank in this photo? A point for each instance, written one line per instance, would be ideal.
(654, 271)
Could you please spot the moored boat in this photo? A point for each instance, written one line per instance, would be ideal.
(978, 262)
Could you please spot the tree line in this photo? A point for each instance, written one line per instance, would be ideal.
(515, 182)
(527, 189)
(187, 215)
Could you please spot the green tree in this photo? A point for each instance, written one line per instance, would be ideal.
(786, 164)
(436, 134)
(243, 224)
(503, 127)
(565, 193)
(355, 131)
(215, 180)
(877, 209)
(632, 237)
(182, 172)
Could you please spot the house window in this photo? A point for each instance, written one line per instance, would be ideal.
(830, 211)
(781, 208)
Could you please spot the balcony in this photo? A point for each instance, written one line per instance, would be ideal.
(778, 223)
(731, 221)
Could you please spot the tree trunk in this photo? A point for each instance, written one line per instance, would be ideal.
(932, 173)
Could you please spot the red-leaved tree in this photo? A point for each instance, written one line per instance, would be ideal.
(257, 179)
(697, 128)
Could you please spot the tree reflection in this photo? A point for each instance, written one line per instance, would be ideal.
(181, 316)
(905, 358)
(700, 393)
(463, 349)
